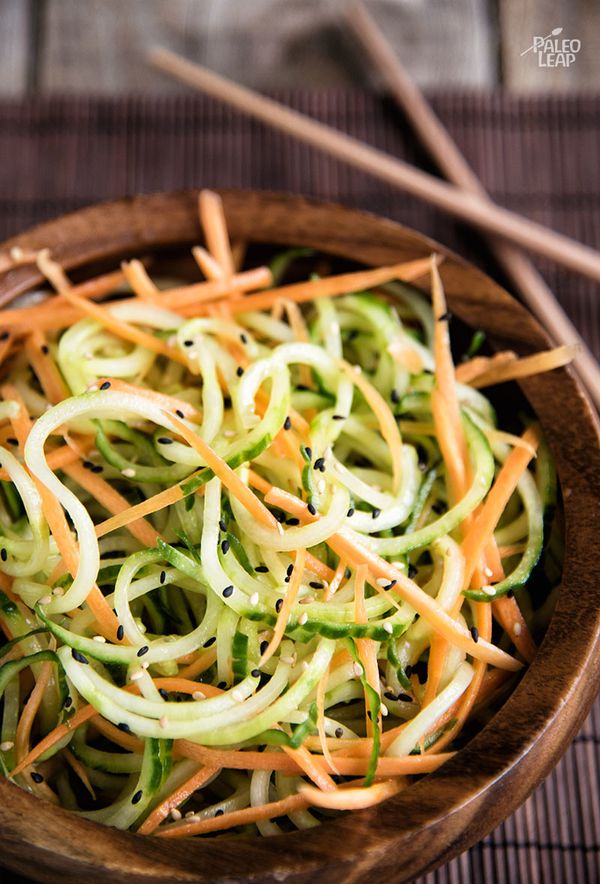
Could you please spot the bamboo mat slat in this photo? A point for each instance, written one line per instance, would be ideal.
(537, 155)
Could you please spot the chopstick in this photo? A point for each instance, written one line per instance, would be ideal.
(436, 138)
(469, 207)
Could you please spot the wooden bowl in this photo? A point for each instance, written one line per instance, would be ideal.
(451, 809)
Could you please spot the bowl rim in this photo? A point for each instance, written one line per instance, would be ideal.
(450, 808)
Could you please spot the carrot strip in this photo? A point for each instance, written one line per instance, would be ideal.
(80, 771)
(200, 665)
(137, 276)
(112, 501)
(309, 765)
(235, 818)
(507, 612)
(45, 368)
(466, 372)
(288, 601)
(522, 368)
(214, 225)
(177, 797)
(351, 798)
(30, 710)
(227, 476)
(387, 423)
(207, 264)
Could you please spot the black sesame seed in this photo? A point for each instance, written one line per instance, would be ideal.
(438, 508)
(164, 440)
(395, 396)
(390, 585)
(350, 512)
(474, 633)
(405, 698)
(261, 569)
(243, 338)
(120, 633)
(210, 641)
(222, 525)
(287, 424)
(226, 402)
(225, 546)
(44, 348)
(376, 513)
(263, 646)
(445, 317)
(77, 655)
(219, 812)
(301, 387)
(308, 452)
(124, 727)
(88, 464)
(239, 371)
(228, 591)
(12, 441)
(278, 605)
(163, 576)
(4, 336)
(96, 468)
(339, 732)
(68, 702)
(389, 695)
(319, 464)
(222, 685)
(338, 417)
(105, 385)
(3, 554)
(292, 521)
(143, 650)
(255, 673)
(311, 509)
(289, 570)
(179, 413)
(37, 777)
(137, 797)
(188, 343)
(412, 571)
(164, 694)
(315, 584)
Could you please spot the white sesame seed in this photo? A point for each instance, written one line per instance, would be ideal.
(129, 473)
(488, 590)
(289, 661)
(135, 676)
(163, 721)
(45, 600)
(388, 628)
(302, 619)
(100, 639)
(58, 591)
(198, 695)
(145, 665)
(229, 434)
(357, 668)
(175, 814)
(321, 486)
(237, 696)
(254, 599)
(384, 709)
(6, 746)
(307, 600)
(488, 572)
(398, 564)
(517, 629)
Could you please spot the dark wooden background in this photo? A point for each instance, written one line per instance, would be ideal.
(99, 45)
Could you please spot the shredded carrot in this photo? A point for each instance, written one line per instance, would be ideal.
(212, 218)
(508, 614)
(137, 276)
(50, 378)
(111, 500)
(235, 818)
(80, 770)
(522, 368)
(30, 710)
(207, 264)
(350, 798)
(466, 372)
(175, 799)
(309, 765)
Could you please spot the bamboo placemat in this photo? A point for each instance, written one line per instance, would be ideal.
(538, 156)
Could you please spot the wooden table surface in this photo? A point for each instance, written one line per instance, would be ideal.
(98, 46)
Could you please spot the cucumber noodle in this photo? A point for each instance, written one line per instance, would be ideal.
(246, 656)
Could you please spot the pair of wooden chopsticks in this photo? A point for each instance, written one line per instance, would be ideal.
(465, 199)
